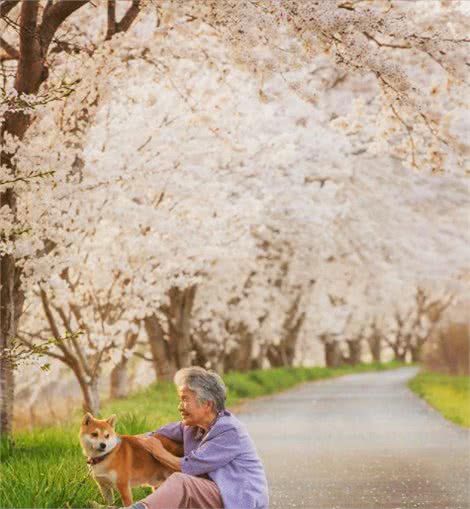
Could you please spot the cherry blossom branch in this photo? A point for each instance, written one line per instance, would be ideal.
(115, 27)
(26, 178)
(24, 349)
(143, 356)
(6, 6)
(410, 136)
(53, 17)
(73, 339)
(11, 53)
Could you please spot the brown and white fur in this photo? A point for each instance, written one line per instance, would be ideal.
(119, 461)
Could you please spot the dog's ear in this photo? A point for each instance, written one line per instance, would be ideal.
(87, 418)
(112, 420)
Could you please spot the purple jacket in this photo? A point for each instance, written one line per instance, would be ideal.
(228, 456)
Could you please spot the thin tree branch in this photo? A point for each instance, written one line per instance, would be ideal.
(54, 16)
(74, 341)
(27, 177)
(53, 326)
(410, 136)
(6, 6)
(129, 17)
(111, 20)
(384, 44)
(98, 359)
(11, 53)
(142, 356)
(31, 346)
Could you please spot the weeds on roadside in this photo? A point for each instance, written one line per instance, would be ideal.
(448, 394)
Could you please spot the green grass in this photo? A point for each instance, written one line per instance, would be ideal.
(448, 394)
(46, 468)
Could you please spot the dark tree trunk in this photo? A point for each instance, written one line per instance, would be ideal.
(283, 354)
(164, 362)
(400, 355)
(415, 351)
(91, 397)
(257, 362)
(375, 345)
(119, 380)
(333, 355)
(28, 79)
(11, 305)
(277, 356)
(201, 358)
(355, 351)
(240, 359)
(179, 320)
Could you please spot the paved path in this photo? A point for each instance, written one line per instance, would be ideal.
(359, 442)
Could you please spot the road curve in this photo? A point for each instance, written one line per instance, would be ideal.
(361, 441)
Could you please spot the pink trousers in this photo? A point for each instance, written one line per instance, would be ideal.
(182, 491)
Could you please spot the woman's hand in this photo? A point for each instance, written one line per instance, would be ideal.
(156, 449)
(153, 446)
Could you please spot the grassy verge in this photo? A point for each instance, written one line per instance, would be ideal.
(47, 467)
(448, 394)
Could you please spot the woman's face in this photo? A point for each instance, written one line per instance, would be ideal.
(193, 413)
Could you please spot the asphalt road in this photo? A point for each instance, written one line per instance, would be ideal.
(359, 442)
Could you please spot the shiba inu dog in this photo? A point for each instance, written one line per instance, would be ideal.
(119, 461)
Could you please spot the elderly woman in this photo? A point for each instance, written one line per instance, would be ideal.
(220, 468)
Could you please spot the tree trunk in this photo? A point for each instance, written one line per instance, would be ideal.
(11, 305)
(399, 352)
(290, 339)
(277, 356)
(257, 362)
(163, 358)
(240, 359)
(375, 345)
(202, 356)
(400, 349)
(91, 397)
(119, 380)
(415, 351)
(355, 351)
(15, 123)
(400, 355)
(89, 387)
(283, 354)
(333, 357)
(179, 320)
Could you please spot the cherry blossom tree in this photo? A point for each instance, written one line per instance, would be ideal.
(36, 25)
(416, 320)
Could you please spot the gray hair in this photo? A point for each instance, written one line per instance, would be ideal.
(207, 385)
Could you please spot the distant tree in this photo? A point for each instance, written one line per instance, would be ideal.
(415, 321)
(374, 339)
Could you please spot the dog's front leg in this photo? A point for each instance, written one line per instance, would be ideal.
(107, 492)
(125, 492)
